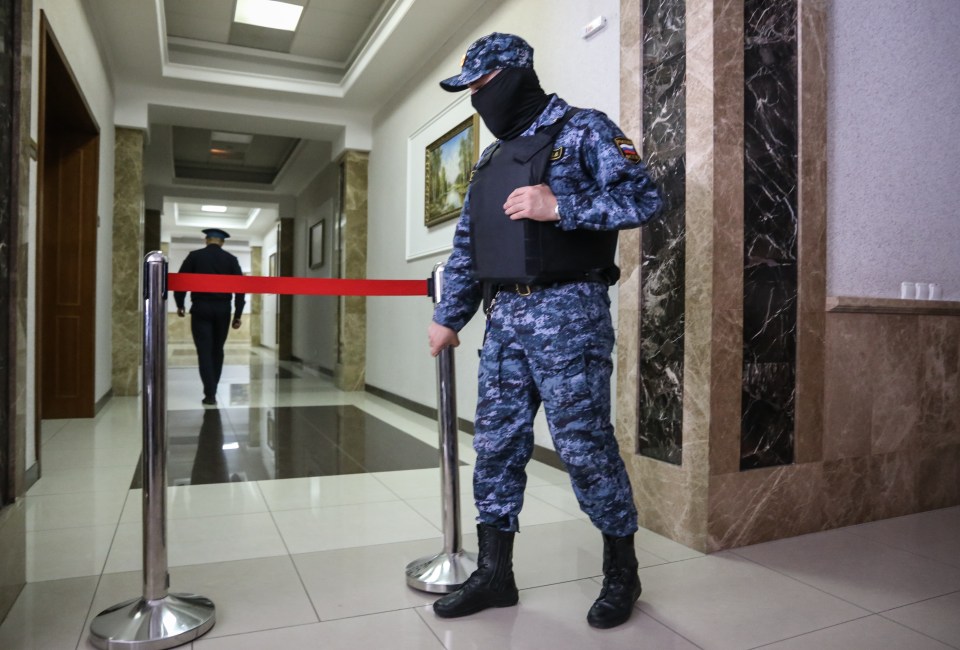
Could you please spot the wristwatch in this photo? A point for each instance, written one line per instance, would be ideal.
(556, 211)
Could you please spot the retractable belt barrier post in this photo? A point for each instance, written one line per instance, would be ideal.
(158, 619)
(446, 571)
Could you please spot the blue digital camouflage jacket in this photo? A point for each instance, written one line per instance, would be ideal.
(600, 184)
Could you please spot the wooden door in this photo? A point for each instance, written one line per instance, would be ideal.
(68, 290)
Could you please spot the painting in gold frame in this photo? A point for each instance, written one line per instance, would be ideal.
(448, 162)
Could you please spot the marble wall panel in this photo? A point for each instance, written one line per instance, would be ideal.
(896, 378)
(810, 389)
(285, 238)
(256, 300)
(671, 499)
(128, 224)
(848, 492)
(350, 370)
(940, 397)
(663, 245)
(938, 479)
(631, 69)
(725, 391)
(894, 483)
(848, 397)
(770, 232)
(812, 244)
(699, 220)
(765, 504)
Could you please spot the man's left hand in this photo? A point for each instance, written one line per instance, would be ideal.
(236, 323)
(535, 202)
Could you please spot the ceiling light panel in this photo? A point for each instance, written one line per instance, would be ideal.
(226, 136)
(268, 13)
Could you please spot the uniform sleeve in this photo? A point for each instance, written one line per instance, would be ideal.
(461, 293)
(622, 194)
(239, 299)
(187, 267)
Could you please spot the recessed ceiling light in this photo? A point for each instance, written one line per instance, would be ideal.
(268, 13)
(213, 208)
(226, 136)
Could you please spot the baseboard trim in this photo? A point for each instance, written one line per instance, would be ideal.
(323, 370)
(540, 454)
(31, 476)
(103, 401)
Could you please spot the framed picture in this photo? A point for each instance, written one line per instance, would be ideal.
(272, 265)
(449, 160)
(316, 244)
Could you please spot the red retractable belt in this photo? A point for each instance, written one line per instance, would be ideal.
(206, 283)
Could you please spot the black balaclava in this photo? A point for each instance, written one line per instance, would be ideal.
(510, 102)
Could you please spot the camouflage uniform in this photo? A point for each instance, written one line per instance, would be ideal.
(554, 346)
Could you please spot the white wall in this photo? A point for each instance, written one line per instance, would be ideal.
(268, 319)
(585, 73)
(315, 317)
(893, 155)
(73, 33)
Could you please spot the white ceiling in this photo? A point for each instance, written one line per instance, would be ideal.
(176, 68)
(329, 30)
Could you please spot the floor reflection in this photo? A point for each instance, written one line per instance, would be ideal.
(255, 444)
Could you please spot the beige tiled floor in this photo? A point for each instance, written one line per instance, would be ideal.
(319, 562)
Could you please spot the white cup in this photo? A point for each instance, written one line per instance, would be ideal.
(935, 291)
(921, 291)
(908, 290)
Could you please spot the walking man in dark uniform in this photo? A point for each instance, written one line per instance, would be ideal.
(535, 243)
(210, 312)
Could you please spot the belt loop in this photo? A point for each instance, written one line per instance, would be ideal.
(524, 289)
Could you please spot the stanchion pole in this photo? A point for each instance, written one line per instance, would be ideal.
(159, 619)
(446, 571)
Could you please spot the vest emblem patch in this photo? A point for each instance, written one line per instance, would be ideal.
(556, 154)
(625, 145)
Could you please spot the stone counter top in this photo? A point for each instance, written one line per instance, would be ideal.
(861, 305)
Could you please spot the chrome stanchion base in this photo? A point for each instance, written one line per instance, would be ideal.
(153, 624)
(442, 573)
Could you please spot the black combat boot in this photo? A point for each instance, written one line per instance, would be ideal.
(491, 585)
(621, 584)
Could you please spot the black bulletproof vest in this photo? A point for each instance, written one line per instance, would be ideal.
(528, 251)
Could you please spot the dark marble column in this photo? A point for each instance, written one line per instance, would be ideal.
(15, 44)
(9, 165)
(663, 245)
(151, 230)
(770, 233)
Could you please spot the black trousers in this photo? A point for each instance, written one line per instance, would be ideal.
(210, 323)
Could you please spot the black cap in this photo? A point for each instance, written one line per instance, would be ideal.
(216, 233)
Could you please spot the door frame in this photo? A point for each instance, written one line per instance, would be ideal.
(76, 118)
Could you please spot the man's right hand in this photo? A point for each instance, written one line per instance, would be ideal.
(441, 337)
(181, 312)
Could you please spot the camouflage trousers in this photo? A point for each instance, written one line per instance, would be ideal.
(552, 347)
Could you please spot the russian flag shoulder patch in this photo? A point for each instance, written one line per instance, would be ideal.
(625, 145)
